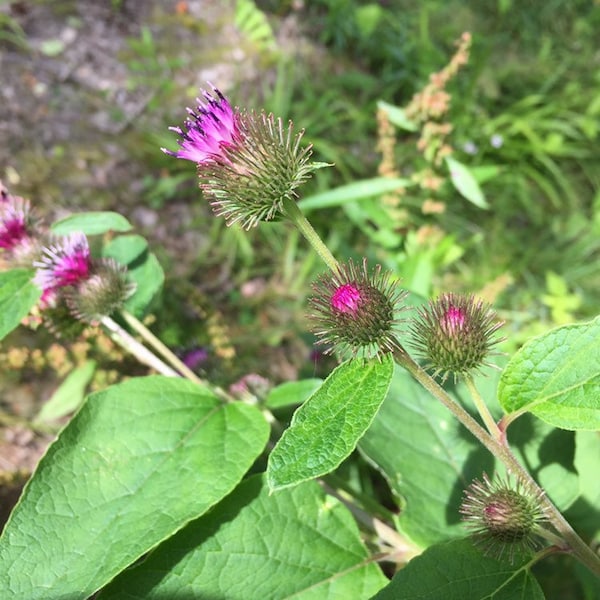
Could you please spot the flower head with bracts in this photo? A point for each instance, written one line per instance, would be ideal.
(248, 163)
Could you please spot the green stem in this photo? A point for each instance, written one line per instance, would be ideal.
(170, 357)
(295, 215)
(404, 550)
(160, 347)
(501, 450)
(483, 410)
(129, 343)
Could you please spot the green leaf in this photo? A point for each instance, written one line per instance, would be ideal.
(297, 543)
(292, 392)
(52, 48)
(325, 429)
(359, 190)
(69, 396)
(584, 514)
(465, 183)
(556, 376)
(397, 116)
(92, 223)
(548, 454)
(367, 18)
(427, 457)
(137, 462)
(17, 296)
(143, 268)
(456, 570)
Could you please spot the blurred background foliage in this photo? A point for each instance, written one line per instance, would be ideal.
(495, 191)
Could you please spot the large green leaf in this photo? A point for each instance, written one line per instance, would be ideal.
(137, 463)
(91, 223)
(427, 457)
(17, 296)
(325, 429)
(456, 570)
(297, 543)
(584, 515)
(556, 376)
(358, 190)
(143, 268)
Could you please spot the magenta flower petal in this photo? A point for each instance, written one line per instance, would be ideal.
(64, 264)
(14, 213)
(207, 130)
(346, 299)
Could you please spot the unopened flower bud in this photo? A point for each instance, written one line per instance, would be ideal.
(356, 312)
(455, 334)
(503, 518)
(100, 294)
(248, 163)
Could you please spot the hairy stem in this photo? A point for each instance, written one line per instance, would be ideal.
(294, 214)
(483, 410)
(129, 343)
(160, 347)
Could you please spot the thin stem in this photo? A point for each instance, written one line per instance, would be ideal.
(404, 360)
(482, 408)
(295, 215)
(578, 547)
(160, 347)
(172, 358)
(383, 531)
(129, 343)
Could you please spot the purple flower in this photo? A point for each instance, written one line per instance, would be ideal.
(454, 319)
(14, 220)
(249, 164)
(208, 130)
(194, 357)
(66, 263)
(346, 299)
(455, 333)
(504, 517)
(19, 234)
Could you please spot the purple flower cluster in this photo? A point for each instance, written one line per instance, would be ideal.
(64, 267)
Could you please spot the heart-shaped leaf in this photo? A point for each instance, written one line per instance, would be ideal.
(139, 461)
